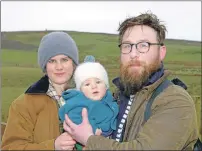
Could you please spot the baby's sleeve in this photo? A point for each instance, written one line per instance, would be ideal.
(66, 95)
(115, 109)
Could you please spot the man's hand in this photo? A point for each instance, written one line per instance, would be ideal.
(80, 132)
(64, 142)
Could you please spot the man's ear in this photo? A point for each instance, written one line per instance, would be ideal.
(162, 52)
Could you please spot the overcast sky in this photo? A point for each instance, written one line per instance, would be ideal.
(183, 19)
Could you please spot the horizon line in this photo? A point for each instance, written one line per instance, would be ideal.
(90, 33)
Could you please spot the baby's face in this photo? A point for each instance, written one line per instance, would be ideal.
(94, 88)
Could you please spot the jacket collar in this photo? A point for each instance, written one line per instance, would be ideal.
(40, 86)
(150, 88)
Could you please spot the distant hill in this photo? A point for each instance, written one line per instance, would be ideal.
(29, 40)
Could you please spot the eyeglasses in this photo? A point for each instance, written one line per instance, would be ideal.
(141, 47)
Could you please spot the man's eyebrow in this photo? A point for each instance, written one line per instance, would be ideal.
(127, 41)
(141, 40)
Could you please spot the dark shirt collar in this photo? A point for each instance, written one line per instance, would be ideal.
(39, 87)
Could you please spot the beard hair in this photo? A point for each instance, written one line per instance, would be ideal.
(133, 81)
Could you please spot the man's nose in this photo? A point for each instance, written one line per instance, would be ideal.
(134, 52)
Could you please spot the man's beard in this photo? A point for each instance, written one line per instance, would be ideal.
(134, 80)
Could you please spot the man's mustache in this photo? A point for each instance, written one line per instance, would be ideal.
(135, 63)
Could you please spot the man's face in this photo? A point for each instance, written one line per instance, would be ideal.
(136, 67)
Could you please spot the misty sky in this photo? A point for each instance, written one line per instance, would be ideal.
(183, 19)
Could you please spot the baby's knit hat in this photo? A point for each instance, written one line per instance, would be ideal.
(56, 43)
(88, 70)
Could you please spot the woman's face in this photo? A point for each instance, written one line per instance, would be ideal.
(60, 69)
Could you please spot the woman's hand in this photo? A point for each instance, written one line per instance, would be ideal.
(64, 142)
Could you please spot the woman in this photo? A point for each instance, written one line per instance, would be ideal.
(33, 122)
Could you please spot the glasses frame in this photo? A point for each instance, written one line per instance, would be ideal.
(132, 44)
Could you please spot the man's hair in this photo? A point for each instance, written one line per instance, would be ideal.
(148, 19)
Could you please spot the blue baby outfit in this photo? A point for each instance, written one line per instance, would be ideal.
(101, 114)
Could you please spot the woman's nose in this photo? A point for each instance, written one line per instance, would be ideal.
(58, 66)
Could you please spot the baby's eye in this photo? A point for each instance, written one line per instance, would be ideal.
(98, 82)
(86, 84)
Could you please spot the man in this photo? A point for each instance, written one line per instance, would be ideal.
(173, 123)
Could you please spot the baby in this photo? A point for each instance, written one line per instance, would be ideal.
(92, 92)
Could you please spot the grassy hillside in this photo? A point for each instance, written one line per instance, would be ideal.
(20, 69)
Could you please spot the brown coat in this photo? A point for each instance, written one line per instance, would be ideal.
(172, 125)
(33, 122)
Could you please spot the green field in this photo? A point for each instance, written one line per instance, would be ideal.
(19, 67)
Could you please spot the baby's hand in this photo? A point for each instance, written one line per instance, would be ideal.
(98, 132)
